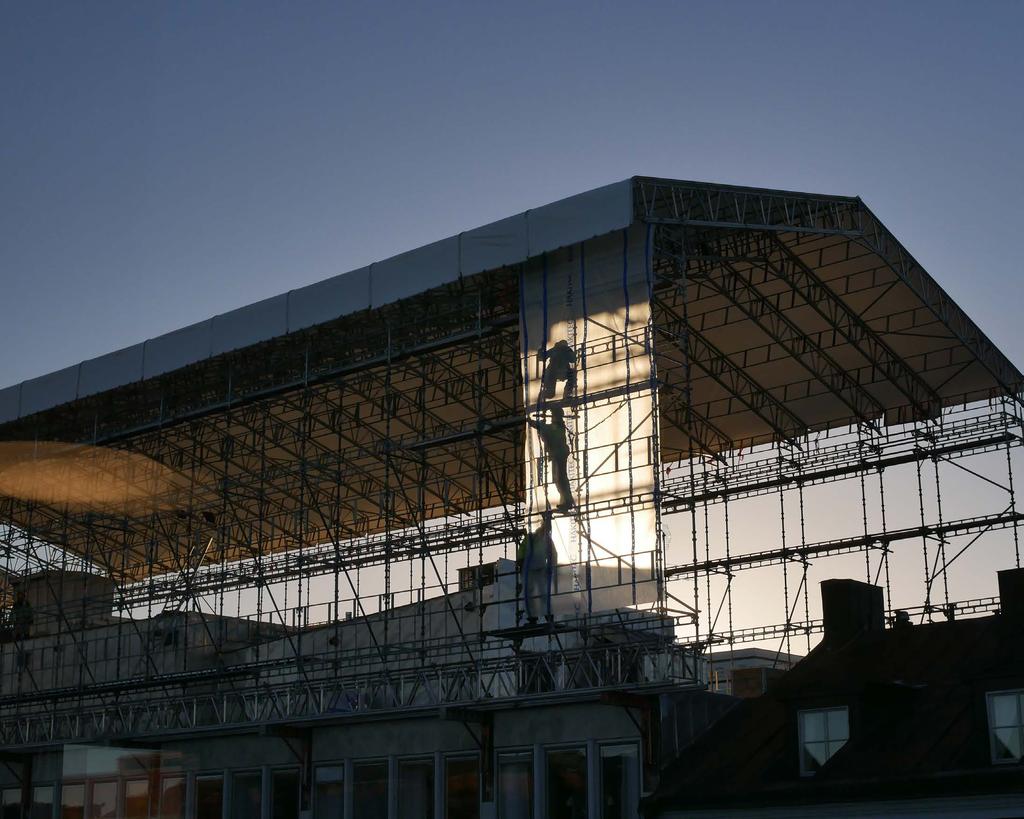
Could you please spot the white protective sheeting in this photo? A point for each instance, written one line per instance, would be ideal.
(329, 299)
(505, 242)
(10, 403)
(49, 390)
(596, 298)
(178, 348)
(410, 273)
(495, 245)
(580, 217)
(111, 370)
(249, 325)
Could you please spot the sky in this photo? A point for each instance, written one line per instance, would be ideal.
(164, 162)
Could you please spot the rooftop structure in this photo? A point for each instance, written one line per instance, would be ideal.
(907, 720)
(572, 454)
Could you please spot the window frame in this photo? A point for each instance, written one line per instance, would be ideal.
(22, 809)
(157, 808)
(407, 758)
(72, 783)
(90, 798)
(123, 794)
(801, 742)
(230, 783)
(54, 803)
(389, 776)
(989, 713)
(561, 747)
(460, 756)
(315, 796)
(600, 748)
(192, 810)
(268, 785)
(516, 750)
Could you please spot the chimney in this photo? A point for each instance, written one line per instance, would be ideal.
(850, 608)
(1011, 593)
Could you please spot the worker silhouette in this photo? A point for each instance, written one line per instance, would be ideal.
(21, 616)
(537, 564)
(555, 440)
(559, 365)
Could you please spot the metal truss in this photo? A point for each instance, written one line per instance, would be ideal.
(498, 681)
(347, 486)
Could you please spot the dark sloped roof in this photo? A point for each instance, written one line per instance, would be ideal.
(918, 723)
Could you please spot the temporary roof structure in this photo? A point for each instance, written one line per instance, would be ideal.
(390, 396)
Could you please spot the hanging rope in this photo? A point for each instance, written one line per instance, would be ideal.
(942, 539)
(785, 557)
(885, 542)
(864, 508)
(728, 579)
(1013, 504)
(803, 580)
(924, 548)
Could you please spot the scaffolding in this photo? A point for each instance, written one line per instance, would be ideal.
(793, 393)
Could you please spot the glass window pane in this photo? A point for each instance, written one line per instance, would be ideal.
(833, 747)
(209, 797)
(838, 724)
(567, 784)
(172, 797)
(515, 786)
(72, 802)
(816, 753)
(136, 799)
(246, 793)
(370, 790)
(1007, 744)
(10, 798)
(620, 782)
(416, 789)
(103, 801)
(42, 802)
(462, 788)
(284, 794)
(813, 725)
(329, 792)
(1004, 710)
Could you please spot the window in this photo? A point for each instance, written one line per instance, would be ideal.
(172, 797)
(462, 788)
(416, 789)
(1006, 726)
(284, 794)
(370, 790)
(103, 801)
(620, 782)
(823, 732)
(246, 793)
(515, 785)
(567, 783)
(72, 801)
(10, 800)
(42, 802)
(329, 792)
(209, 797)
(136, 799)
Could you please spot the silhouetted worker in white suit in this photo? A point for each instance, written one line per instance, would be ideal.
(537, 564)
(553, 436)
(559, 365)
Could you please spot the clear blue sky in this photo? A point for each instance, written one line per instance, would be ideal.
(163, 162)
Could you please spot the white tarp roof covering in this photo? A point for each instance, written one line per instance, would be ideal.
(505, 242)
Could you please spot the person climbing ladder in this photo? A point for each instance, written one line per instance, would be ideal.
(537, 564)
(554, 437)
